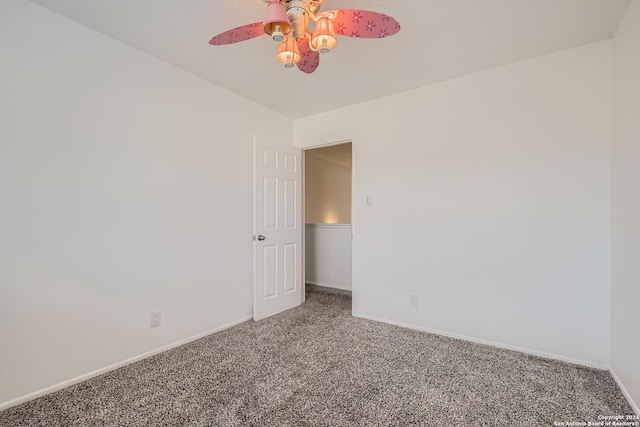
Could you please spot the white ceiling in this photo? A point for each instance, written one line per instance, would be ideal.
(439, 40)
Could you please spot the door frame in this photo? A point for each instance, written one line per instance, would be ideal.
(354, 207)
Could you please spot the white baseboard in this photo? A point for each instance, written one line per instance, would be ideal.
(115, 366)
(487, 342)
(324, 285)
(633, 404)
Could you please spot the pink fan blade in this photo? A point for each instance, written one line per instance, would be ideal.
(363, 23)
(240, 34)
(309, 60)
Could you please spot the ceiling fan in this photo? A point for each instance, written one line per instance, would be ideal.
(288, 24)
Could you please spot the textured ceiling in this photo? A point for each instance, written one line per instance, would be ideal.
(439, 40)
(340, 154)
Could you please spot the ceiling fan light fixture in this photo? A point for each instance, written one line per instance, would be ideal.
(288, 53)
(288, 22)
(324, 35)
(277, 23)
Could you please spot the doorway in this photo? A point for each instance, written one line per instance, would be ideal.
(328, 216)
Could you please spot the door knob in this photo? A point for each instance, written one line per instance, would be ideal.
(260, 237)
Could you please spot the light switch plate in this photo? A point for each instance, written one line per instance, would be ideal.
(156, 319)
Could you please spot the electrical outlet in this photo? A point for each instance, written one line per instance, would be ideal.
(415, 300)
(156, 319)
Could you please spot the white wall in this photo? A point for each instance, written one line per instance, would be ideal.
(125, 187)
(491, 202)
(625, 286)
(125, 183)
(327, 191)
(328, 255)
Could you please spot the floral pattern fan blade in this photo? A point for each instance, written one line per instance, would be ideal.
(239, 34)
(363, 23)
(309, 59)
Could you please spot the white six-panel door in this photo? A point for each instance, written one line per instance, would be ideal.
(277, 229)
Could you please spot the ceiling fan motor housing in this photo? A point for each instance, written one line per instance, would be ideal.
(298, 12)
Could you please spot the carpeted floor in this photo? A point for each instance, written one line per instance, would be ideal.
(316, 365)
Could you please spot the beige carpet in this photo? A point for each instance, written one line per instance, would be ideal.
(316, 365)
